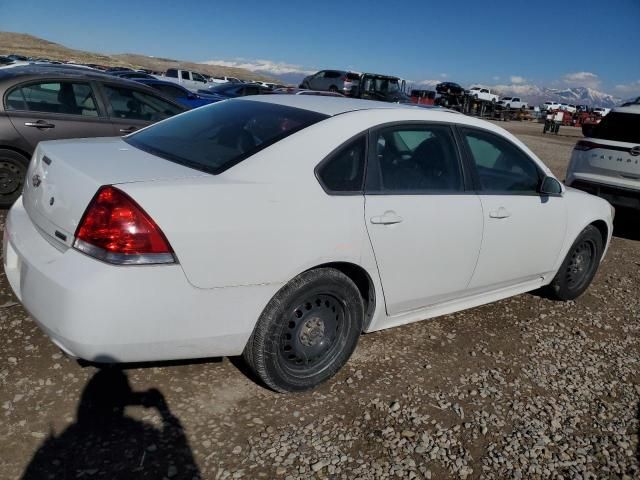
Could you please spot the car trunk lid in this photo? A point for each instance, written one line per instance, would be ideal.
(65, 175)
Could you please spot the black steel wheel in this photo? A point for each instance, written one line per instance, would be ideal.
(13, 168)
(307, 332)
(579, 266)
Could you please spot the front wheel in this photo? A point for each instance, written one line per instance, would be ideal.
(307, 332)
(579, 266)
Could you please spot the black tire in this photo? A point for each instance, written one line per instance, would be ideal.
(333, 88)
(579, 266)
(307, 331)
(13, 169)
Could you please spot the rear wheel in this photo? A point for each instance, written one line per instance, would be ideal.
(579, 266)
(13, 169)
(307, 331)
(333, 88)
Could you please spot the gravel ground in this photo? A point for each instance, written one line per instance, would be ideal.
(523, 388)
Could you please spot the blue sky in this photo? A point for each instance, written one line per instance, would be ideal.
(551, 43)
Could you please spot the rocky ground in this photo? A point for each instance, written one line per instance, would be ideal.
(523, 388)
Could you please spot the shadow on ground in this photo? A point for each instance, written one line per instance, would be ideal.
(106, 443)
(627, 224)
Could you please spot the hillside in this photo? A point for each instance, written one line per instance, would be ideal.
(31, 46)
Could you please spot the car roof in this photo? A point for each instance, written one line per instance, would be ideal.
(37, 71)
(328, 105)
(628, 109)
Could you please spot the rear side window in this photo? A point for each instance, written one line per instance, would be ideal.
(216, 137)
(172, 73)
(54, 97)
(135, 105)
(343, 171)
(185, 75)
(620, 127)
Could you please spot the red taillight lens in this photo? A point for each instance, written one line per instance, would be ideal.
(115, 229)
(584, 145)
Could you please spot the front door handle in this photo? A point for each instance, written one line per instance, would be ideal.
(127, 130)
(39, 124)
(500, 213)
(389, 218)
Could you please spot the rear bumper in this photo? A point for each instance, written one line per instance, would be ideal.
(617, 195)
(102, 312)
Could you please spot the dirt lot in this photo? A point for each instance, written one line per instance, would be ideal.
(523, 388)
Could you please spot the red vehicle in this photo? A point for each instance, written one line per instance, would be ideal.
(423, 97)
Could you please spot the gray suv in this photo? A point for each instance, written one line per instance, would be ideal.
(50, 103)
(340, 81)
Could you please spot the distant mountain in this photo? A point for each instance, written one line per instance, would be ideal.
(32, 46)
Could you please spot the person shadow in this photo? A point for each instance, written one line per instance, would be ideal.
(107, 444)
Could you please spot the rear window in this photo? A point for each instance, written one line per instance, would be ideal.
(216, 137)
(620, 127)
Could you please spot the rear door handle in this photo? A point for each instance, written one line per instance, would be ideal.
(500, 213)
(39, 124)
(127, 129)
(389, 218)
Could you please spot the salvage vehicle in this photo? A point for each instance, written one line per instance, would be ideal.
(607, 161)
(449, 88)
(513, 102)
(233, 90)
(248, 227)
(179, 94)
(190, 80)
(339, 81)
(45, 103)
(480, 93)
(385, 88)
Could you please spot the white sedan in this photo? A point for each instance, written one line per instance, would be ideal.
(282, 227)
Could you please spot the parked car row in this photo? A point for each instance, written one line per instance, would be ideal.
(47, 103)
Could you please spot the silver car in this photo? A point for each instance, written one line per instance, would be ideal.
(340, 81)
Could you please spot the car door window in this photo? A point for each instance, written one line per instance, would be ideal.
(69, 98)
(501, 166)
(415, 159)
(136, 105)
(185, 75)
(343, 171)
(198, 78)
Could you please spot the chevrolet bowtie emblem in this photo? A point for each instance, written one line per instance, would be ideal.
(36, 180)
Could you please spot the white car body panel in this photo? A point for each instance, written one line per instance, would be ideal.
(241, 235)
(484, 94)
(418, 278)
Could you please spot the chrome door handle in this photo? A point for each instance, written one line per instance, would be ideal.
(39, 124)
(389, 218)
(127, 129)
(500, 213)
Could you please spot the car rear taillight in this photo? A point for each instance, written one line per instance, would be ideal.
(115, 229)
(583, 146)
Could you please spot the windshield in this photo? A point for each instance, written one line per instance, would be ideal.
(620, 127)
(216, 137)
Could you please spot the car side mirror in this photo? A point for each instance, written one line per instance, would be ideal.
(550, 186)
(588, 129)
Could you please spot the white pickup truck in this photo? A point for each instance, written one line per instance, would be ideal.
(513, 102)
(480, 93)
(190, 80)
